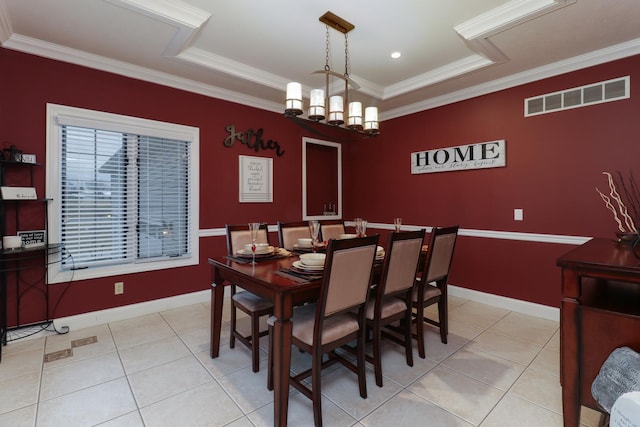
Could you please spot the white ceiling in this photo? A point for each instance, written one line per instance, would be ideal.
(247, 50)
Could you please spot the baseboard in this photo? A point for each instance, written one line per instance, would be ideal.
(100, 317)
(524, 307)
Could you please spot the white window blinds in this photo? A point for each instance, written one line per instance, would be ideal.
(163, 202)
(125, 198)
(123, 194)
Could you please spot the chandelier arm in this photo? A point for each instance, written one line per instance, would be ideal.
(309, 125)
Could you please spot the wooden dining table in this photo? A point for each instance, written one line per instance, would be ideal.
(267, 280)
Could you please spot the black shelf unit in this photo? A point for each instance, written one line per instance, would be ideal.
(15, 263)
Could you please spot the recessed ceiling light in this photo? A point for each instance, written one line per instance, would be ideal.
(396, 55)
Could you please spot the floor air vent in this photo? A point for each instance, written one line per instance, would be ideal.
(596, 93)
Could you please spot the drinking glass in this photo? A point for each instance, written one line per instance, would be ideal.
(253, 228)
(314, 230)
(358, 223)
(397, 222)
(363, 228)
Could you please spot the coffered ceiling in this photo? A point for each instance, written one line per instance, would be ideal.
(247, 50)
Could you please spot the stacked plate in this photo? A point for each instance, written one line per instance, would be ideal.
(262, 249)
(313, 262)
(379, 253)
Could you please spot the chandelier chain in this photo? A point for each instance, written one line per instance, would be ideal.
(327, 44)
(346, 56)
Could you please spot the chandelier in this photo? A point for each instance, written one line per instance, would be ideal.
(321, 102)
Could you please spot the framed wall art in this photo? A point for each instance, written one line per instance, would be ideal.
(256, 179)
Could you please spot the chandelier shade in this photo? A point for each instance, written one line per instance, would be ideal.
(355, 116)
(316, 106)
(294, 99)
(322, 105)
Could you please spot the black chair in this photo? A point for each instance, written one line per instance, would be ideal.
(392, 299)
(331, 229)
(431, 286)
(290, 232)
(336, 319)
(254, 306)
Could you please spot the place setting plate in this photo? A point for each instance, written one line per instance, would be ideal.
(320, 247)
(303, 268)
(262, 253)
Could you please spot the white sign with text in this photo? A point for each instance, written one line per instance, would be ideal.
(256, 179)
(482, 155)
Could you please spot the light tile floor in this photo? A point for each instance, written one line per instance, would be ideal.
(500, 368)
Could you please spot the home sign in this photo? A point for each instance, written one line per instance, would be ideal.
(482, 155)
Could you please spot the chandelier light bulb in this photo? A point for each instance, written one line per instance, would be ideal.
(316, 107)
(371, 120)
(293, 104)
(336, 110)
(355, 115)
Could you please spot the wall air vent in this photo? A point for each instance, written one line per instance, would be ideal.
(595, 93)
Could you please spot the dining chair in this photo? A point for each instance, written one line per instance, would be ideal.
(336, 319)
(253, 305)
(431, 285)
(331, 229)
(391, 301)
(290, 232)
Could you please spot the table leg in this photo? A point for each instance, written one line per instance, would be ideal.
(217, 298)
(570, 369)
(282, 330)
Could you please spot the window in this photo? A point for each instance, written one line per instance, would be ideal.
(124, 193)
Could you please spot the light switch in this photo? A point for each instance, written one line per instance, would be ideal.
(518, 214)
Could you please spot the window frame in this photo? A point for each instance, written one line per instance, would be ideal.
(120, 123)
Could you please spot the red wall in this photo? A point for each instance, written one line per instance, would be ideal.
(29, 82)
(554, 162)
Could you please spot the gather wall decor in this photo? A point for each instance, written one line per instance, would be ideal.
(252, 139)
(482, 155)
(256, 179)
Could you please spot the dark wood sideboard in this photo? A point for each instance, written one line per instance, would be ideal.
(599, 312)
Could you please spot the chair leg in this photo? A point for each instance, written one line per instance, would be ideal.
(270, 361)
(442, 318)
(316, 396)
(362, 376)
(420, 328)
(377, 362)
(255, 342)
(232, 335)
(407, 337)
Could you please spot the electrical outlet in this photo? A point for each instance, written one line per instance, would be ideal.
(118, 288)
(518, 214)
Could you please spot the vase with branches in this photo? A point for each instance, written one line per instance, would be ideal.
(624, 204)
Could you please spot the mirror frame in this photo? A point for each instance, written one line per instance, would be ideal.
(305, 215)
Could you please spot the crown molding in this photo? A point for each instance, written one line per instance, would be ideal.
(5, 24)
(453, 69)
(477, 32)
(612, 53)
(228, 66)
(508, 15)
(187, 19)
(77, 57)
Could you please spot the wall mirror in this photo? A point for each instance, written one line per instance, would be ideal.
(321, 179)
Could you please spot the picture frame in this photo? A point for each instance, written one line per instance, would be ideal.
(33, 238)
(18, 193)
(255, 179)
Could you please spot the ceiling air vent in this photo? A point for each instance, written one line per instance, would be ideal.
(596, 93)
